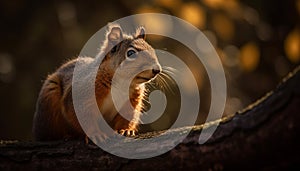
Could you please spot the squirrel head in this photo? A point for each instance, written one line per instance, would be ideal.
(130, 54)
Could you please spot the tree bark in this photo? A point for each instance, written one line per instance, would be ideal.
(264, 136)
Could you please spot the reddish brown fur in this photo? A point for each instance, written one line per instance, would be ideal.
(55, 117)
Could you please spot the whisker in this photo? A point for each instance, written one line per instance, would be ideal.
(170, 69)
(163, 82)
(166, 80)
(169, 73)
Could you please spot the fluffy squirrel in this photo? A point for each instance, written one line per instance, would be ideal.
(55, 116)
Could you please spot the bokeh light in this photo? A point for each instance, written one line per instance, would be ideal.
(249, 56)
(257, 41)
(223, 26)
(292, 46)
(194, 14)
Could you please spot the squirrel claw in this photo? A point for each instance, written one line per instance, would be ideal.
(127, 132)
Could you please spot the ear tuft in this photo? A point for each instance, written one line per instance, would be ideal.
(140, 33)
(114, 34)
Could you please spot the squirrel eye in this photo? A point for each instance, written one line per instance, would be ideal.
(130, 53)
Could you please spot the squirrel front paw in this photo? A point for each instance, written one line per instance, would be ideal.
(127, 132)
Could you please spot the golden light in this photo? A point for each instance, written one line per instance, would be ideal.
(193, 13)
(292, 46)
(147, 9)
(213, 3)
(223, 26)
(154, 23)
(231, 5)
(234, 9)
(249, 56)
(170, 4)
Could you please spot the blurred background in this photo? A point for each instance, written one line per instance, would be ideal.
(258, 43)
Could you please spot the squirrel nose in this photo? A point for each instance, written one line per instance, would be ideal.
(156, 71)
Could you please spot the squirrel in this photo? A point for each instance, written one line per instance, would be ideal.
(55, 116)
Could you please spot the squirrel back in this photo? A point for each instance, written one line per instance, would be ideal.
(55, 116)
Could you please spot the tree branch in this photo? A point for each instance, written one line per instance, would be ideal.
(262, 136)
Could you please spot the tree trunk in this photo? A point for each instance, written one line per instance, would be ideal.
(264, 136)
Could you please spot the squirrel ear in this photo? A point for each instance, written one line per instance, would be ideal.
(115, 34)
(140, 33)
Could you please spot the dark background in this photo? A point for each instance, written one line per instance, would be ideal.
(258, 43)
